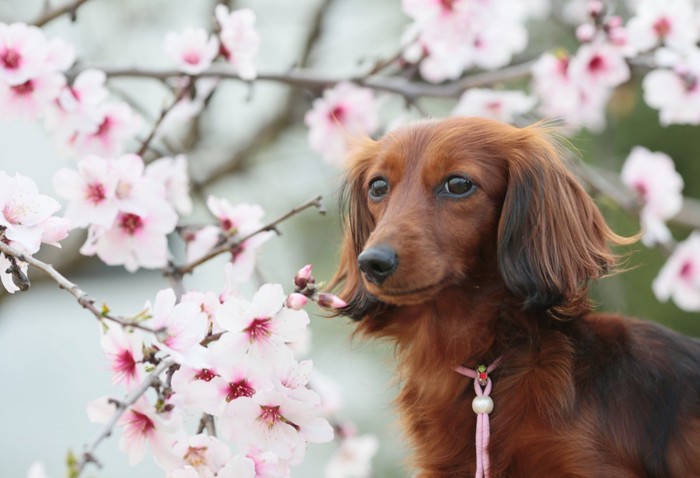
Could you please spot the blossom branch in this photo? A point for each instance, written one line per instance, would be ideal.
(80, 295)
(50, 15)
(120, 408)
(180, 95)
(229, 243)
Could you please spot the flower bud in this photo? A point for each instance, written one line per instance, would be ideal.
(585, 32)
(303, 277)
(331, 301)
(595, 8)
(296, 301)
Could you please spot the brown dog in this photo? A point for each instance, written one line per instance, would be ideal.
(467, 240)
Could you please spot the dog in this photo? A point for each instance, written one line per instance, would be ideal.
(467, 241)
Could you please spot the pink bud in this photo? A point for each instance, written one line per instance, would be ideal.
(617, 36)
(585, 32)
(595, 8)
(296, 301)
(331, 301)
(614, 22)
(303, 277)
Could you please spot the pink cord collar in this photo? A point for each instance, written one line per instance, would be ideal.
(482, 406)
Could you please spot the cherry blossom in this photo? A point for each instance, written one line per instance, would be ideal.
(275, 421)
(675, 92)
(267, 464)
(91, 192)
(206, 455)
(599, 66)
(201, 241)
(343, 112)
(261, 327)
(503, 106)
(654, 179)
(239, 39)
(672, 23)
(192, 50)
(75, 108)
(124, 350)
(185, 326)
(115, 123)
(31, 98)
(23, 53)
(679, 278)
(141, 425)
(240, 467)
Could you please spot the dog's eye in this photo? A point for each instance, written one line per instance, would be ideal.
(378, 188)
(457, 186)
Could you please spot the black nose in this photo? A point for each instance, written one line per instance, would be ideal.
(378, 263)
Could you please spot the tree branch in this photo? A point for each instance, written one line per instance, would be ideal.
(230, 243)
(80, 295)
(50, 15)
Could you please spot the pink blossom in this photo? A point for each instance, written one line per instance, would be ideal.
(272, 421)
(296, 301)
(205, 454)
(75, 109)
(124, 350)
(503, 106)
(329, 391)
(23, 53)
(303, 277)
(330, 301)
(141, 425)
(267, 464)
(679, 278)
(261, 327)
(675, 93)
(32, 98)
(344, 111)
(598, 65)
(115, 123)
(240, 467)
(134, 240)
(353, 458)
(657, 23)
(172, 174)
(192, 50)
(653, 177)
(185, 326)
(25, 215)
(239, 39)
(91, 192)
(200, 242)
(208, 303)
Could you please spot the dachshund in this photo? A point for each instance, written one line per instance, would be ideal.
(467, 241)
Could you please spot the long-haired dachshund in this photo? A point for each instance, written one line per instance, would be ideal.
(468, 242)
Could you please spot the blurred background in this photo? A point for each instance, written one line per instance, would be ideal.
(250, 145)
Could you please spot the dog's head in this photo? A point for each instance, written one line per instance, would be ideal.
(463, 202)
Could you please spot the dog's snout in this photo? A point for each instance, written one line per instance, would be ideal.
(378, 263)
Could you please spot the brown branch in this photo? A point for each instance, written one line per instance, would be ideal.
(50, 15)
(80, 295)
(231, 243)
(121, 407)
(180, 95)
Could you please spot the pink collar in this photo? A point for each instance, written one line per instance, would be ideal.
(482, 406)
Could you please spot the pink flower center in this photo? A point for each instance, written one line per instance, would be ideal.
(690, 82)
(226, 224)
(642, 190)
(337, 114)
(447, 5)
(687, 270)
(125, 364)
(270, 414)
(24, 89)
(140, 423)
(563, 66)
(10, 59)
(241, 388)
(494, 107)
(662, 27)
(104, 127)
(258, 329)
(12, 214)
(191, 58)
(205, 374)
(596, 64)
(130, 223)
(95, 193)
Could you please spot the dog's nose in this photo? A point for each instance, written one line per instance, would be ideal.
(378, 263)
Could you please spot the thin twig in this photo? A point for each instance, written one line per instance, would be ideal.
(121, 407)
(80, 295)
(231, 243)
(180, 95)
(70, 8)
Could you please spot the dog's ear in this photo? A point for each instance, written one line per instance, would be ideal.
(552, 239)
(358, 224)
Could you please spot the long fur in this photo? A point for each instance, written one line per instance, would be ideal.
(504, 273)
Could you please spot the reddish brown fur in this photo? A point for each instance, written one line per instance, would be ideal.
(504, 272)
